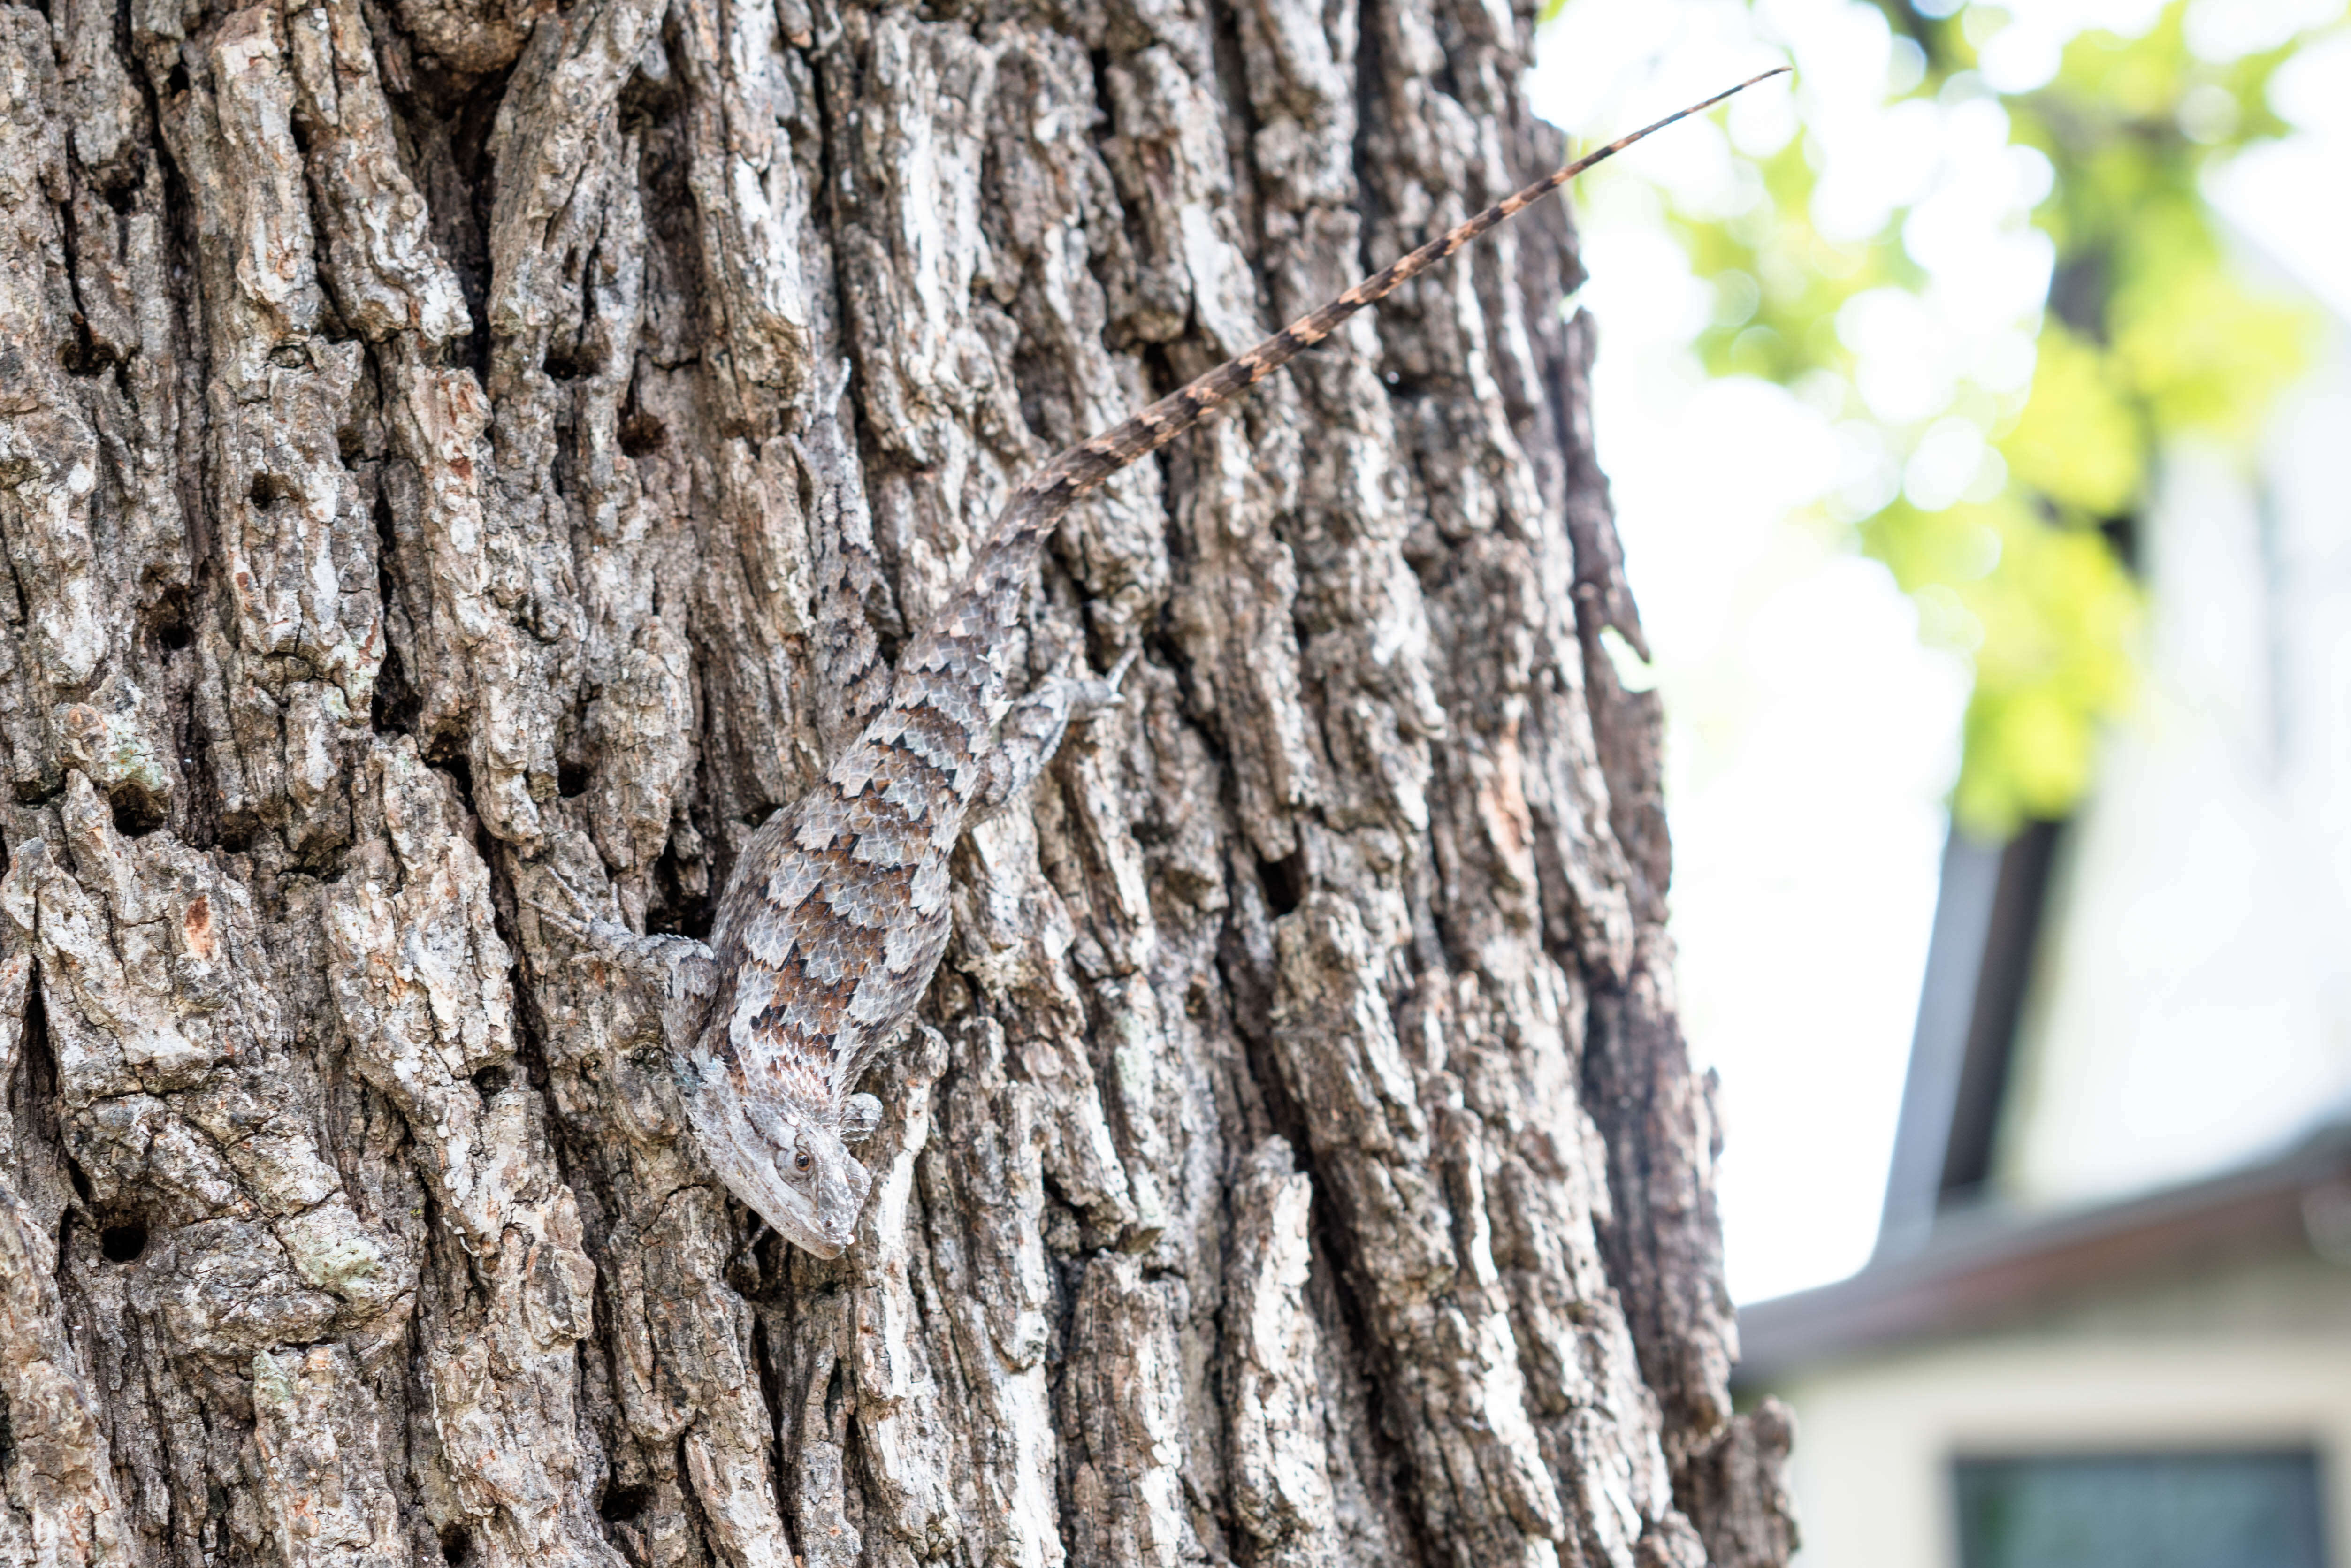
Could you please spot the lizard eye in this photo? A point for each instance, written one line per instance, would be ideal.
(802, 1161)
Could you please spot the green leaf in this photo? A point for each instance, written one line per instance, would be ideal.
(2151, 333)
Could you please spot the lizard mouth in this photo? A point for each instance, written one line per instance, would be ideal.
(795, 1220)
(797, 1224)
(816, 1248)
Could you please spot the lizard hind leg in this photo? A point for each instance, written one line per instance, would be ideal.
(1031, 732)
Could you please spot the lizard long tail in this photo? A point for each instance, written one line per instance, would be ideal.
(1038, 506)
(1091, 462)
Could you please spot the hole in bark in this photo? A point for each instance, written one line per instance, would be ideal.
(624, 1503)
(456, 1545)
(652, 93)
(33, 1096)
(836, 1387)
(123, 198)
(570, 779)
(178, 80)
(674, 911)
(85, 355)
(136, 813)
(452, 115)
(490, 1082)
(167, 620)
(447, 753)
(393, 705)
(568, 364)
(642, 432)
(237, 833)
(267, 489)
(1284, 880)
(123, 1243)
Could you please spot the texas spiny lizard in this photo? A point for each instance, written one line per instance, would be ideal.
(838, 912)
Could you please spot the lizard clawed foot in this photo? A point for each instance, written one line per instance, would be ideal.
(1089, 697)
(681, 973)
(582, 924)
(576, 922)
(760, 1229)
(1117, 676)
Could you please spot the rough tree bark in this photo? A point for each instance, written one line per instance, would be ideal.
(420, 479)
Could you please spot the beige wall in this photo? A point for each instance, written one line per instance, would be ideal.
(1874, 1439)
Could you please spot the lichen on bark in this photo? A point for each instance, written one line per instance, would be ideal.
(448, 446)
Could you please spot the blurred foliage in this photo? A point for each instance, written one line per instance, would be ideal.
(2148, 333)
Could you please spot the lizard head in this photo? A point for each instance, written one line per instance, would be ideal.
(791, 1166)
(813, 1189)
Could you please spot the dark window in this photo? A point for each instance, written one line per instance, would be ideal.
(2141, 1511)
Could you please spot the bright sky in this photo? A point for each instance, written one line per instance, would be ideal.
(1811, 737)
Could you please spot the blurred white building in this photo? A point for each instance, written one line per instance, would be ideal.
(2109, 1320)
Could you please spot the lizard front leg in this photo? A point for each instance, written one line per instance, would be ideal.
(681, 973)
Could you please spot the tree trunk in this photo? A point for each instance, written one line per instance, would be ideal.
(421, 480)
